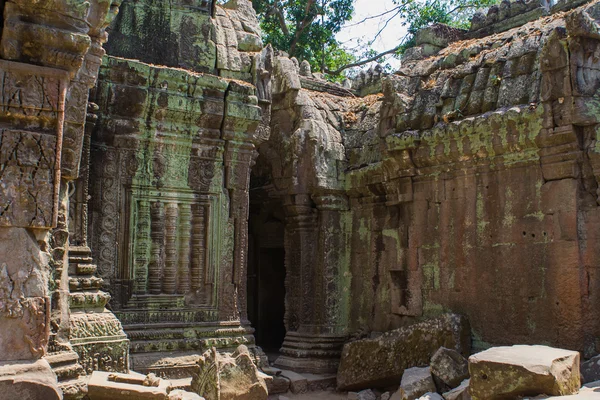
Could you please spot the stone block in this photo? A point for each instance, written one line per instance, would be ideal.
(416, 382)
(28, 381)
(382, 361)
(450, 367)
(459, 393)
(229, 376)
(31, 141)
(179, 394)
(508, 372)
(111, 386)
(559, 196)
(362, 395)
(431, 396)
(298, 383)
(439, 35)
(24, 300)
(276, 384)
(590, 370)
(399, 395)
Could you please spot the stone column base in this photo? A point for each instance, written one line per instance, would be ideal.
(26, 380)
(100, 342)
(317, 354)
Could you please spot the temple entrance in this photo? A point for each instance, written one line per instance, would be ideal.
(266, 277)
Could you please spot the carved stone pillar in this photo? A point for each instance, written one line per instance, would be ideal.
(239, 158)
(54, 51)
(316, 287)
(95, 334)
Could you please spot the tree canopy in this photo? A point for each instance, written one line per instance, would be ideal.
(307, 29)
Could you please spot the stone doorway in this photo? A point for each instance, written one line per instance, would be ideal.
(266, 277)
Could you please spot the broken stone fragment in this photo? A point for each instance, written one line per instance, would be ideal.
(459, 393)
(590, 370)
(399, 395)
(25, 380)
(276, 384)
(381, 362)
(116, 386)
(179, 394)
(229, 376)
(439, 35)
(449, 366)
(298, 383)
(589, 391)
(431, 396)
(508, 372)
(362, 395)
(305, 69)
(416, 382)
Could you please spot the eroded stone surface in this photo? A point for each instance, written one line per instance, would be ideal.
(449, 366)
(590, 370)
(416, 382)
(461, 392)
(229, 377)
(502, 372)
(28, 381)
(382, 361)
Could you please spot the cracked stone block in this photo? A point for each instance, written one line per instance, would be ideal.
(508, 372)
(449, 366)
(416, 382)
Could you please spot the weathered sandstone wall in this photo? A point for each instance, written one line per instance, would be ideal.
(470, 184)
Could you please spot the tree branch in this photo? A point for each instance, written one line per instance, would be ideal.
(302, 25)
(275, 10)
(385, 26)
(391, 10)
(371, 17)
(365, 61)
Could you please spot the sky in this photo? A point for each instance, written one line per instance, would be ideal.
(390, 37)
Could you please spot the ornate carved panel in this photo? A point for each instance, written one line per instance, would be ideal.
(31, 118)
(169, 241)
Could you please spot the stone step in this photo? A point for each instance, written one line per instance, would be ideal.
(67, 372)
(303, 382)
(65, 365)
(62, 358)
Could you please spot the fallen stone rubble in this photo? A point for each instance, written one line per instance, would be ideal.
(500, 373)
(444, 373)
(367, 363)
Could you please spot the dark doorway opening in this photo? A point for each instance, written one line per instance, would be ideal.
(266, 277)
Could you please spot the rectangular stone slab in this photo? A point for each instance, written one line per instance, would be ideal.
(509, 372)
(380, 362)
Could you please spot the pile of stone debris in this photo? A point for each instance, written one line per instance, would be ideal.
(428, 360)
(499, 373)
(517, 372)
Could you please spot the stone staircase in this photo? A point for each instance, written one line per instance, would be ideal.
(95, 333)
(65, 364)
(84, 285)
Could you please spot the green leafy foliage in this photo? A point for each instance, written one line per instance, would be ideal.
(306, 29)
(418, 14)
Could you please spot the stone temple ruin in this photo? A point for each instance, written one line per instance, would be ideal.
(180, 189)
